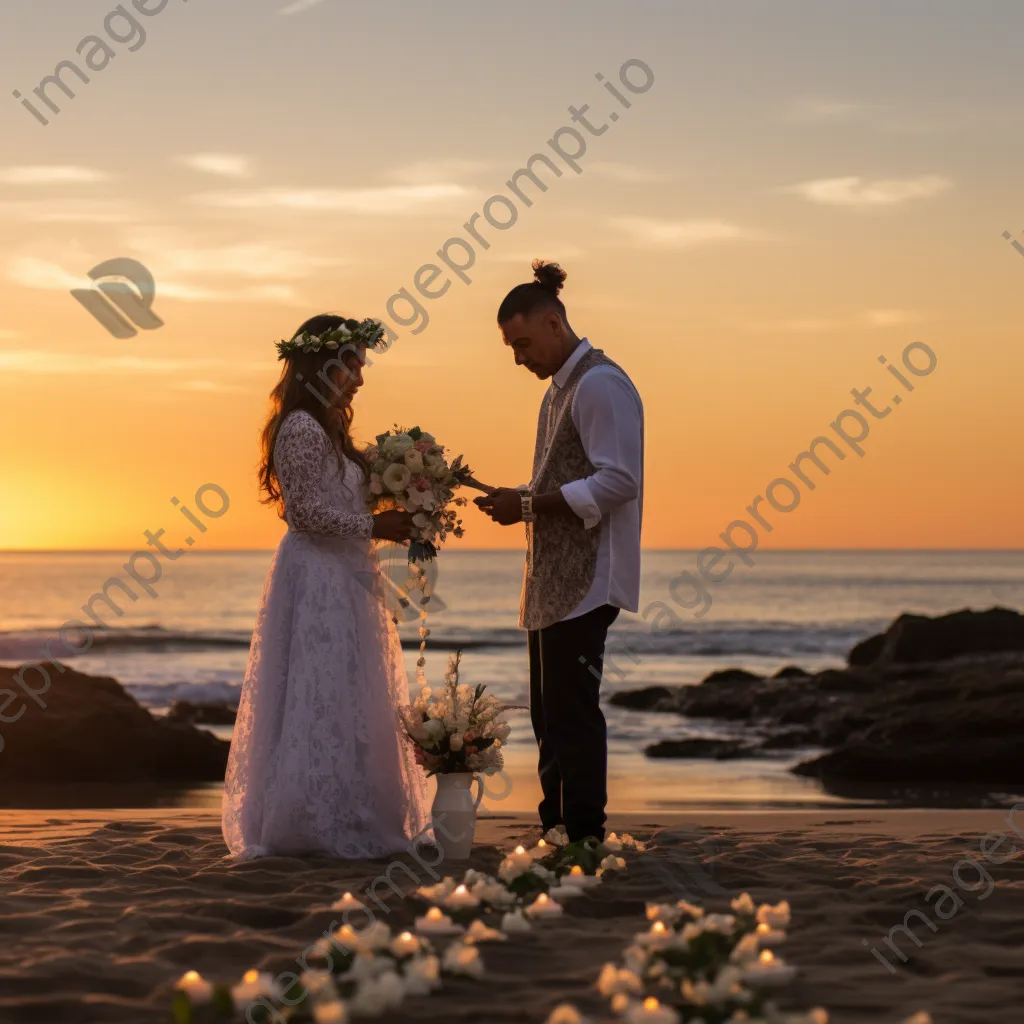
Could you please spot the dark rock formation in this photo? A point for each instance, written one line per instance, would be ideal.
(916, 638)
(720, 750)
(213, 713)
(92, 730)
(928, 701)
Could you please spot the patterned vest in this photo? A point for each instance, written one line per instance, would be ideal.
(561, 555)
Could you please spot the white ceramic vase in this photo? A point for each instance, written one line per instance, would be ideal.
(454, 813)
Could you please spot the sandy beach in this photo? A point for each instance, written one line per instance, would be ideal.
(103, 910)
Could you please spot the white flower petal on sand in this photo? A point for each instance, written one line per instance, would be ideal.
(460, 958)
(479, 932)
(422, 974)
(330, 1013)
(514, 922)
(743, 905)
(376, 995)
(613, 980)
(774, 917)
(565, 1013)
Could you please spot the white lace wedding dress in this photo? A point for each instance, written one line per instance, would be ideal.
(316, 763)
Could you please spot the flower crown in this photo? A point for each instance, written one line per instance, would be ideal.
(359, 334)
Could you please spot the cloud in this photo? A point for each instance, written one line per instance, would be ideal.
(207, 387)
(30, 272)
(795, 325)
(366, 201)
(862, 192)
(891, 317)
(681, 234)
(812, 110)
(67, 211)
(628, 172)
(225, 165)
(876, 318)
(255, 260)
(50, 175)
(429, 172)
(41, 361)
(298, 6)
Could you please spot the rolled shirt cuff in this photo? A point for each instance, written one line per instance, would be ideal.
(578, 497)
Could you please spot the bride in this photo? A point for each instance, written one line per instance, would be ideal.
(316, 765)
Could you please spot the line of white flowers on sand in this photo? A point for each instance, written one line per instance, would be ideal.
(366, 973)
(699, 968)
(688, 966)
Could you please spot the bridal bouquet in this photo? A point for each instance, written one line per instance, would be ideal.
(409, 471)
(460, 730)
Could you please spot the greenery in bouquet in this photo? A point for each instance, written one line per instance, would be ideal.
(460, 729)
(410, 471)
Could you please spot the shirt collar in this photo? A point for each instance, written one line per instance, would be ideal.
(559, 379)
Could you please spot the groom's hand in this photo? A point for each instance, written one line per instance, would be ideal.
(503, 505)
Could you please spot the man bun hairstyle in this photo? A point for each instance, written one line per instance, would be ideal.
(541, 292)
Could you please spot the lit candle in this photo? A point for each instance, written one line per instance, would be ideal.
(541, 850)
(565, 1013)
(198, 990)
(768, 936)
(768, 971)
(348, 902)
(461, 899)
(657, 937)
(650, 1011)
(576, 879)
(252, 986)
(543, 907)
(330, 1013)
(405, 944)
(437, 922)
(520, 858)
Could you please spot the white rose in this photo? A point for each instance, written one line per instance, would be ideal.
(396, 478)
(376, 484)
(456, 742)
(414, 461)
(435, 728)
(440, 471)
(398, 443)
(421, 520)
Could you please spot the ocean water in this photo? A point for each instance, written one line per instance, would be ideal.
(805, 608)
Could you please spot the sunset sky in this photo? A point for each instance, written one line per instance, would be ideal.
(806, 186)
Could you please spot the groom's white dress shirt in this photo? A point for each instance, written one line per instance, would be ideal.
(609, 417)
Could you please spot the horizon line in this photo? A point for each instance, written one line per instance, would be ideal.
(470, 551)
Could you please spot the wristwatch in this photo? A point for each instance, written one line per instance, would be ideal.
(526, 504)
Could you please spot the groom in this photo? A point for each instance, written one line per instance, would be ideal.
(582, 511)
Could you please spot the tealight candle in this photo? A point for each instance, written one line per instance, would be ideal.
(541, 850)
(520, 858)
(650, 1011)
(198, 990)
(436, 922)
(543, 906)
(768, 970)
(406, 944)
(348, 902)
(252, 986)
(461, 899)
(565, 1013)
(768, 936)
(657, 937)
(576, 879)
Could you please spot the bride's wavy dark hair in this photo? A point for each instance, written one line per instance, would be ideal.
(291, 393)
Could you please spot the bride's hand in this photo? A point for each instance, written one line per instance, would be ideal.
(392, 525)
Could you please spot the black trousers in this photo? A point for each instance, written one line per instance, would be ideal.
(566, 661)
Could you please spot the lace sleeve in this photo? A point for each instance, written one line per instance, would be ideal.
(299, 455)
